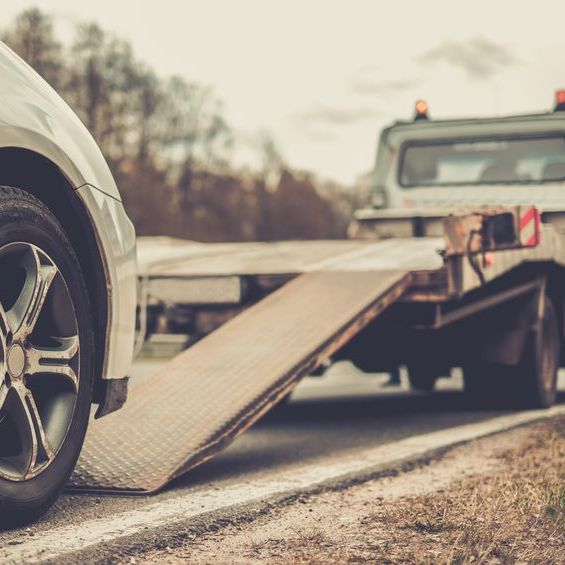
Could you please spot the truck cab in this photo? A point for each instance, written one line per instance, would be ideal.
(428, 165)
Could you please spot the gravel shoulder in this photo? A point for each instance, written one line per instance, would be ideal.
(495, 500)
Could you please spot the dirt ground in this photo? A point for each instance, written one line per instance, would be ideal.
(500, 499)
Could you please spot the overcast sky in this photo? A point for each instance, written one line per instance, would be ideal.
(325, 75)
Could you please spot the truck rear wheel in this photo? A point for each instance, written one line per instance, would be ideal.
(537, 372)
(532, 383)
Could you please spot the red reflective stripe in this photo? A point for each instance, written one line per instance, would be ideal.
(533, 241)
(527, 217)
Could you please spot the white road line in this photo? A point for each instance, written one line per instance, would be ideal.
(64, 540)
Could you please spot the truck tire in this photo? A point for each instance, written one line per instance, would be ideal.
(422, 377)
(536, 375)
(532, 383)
(46, 358)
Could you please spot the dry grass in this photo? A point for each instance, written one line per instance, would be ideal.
(517, 515)
(509, 509)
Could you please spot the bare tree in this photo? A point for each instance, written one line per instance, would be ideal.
(194, 128)
(168, 144)
(32, 37)
(87, 89)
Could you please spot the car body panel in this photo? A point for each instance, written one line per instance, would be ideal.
(116, 236)
(35, 118)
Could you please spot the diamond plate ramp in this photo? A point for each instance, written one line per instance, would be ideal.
(199, 402)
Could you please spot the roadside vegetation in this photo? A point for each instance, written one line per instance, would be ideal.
(170, 146)
(496, 500)
(515, 515)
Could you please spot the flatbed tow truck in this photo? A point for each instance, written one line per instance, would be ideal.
(477, 285)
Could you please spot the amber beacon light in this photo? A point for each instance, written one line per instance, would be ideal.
(421, 110)
(560, 100)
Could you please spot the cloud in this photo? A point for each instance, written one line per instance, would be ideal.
(381, 87)
(335, 116)
(479, 57)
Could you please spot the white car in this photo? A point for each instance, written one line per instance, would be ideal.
(67, 290)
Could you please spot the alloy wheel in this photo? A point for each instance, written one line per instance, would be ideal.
(39, 361)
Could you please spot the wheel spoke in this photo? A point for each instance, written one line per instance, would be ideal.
(4, 325)
(3, 393)
(30, 425)
(54, 360)
(25, 312)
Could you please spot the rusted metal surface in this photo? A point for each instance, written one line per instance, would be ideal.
(459, 276)
(445, 317)
(216, 389)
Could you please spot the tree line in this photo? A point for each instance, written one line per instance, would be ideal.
(169, 145)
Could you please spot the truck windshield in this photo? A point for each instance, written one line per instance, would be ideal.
(483, 161)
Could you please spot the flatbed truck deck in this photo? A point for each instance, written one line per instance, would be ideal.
(260, 317)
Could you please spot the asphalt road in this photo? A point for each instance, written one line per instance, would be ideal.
(327, 418)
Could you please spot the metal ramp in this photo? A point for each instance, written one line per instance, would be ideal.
(209, 394)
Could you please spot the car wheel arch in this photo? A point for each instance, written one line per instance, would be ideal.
(36, 174)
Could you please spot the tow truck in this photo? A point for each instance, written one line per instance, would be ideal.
(459, 263)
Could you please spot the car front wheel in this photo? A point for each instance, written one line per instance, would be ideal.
(46, 351)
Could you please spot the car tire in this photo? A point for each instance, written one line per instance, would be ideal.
(46, 358)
